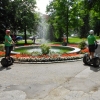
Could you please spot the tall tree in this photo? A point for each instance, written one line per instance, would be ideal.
(59, 12)
(95, 16)
(25, 15)
(18, 15)
(66, 15)
(3, 18)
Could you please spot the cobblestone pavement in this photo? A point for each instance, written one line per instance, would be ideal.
(53, 81)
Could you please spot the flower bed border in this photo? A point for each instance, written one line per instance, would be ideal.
(48, 58)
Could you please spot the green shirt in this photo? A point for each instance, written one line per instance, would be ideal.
(91, 39)
(9, 39)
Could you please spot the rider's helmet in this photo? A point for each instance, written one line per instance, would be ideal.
(91, 32)
(7, 31)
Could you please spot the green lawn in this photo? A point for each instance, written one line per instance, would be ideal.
(75, 40)
(22, 42)
(70, 40)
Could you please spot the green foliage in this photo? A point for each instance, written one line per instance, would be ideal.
(16, 15)
(1, 47)
(75, 15)
(60, 18)
(82, 45)
(45, 49)
(65, 16)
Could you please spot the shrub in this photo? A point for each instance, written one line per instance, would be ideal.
(82, 45)
(1, 47)
(45, 49)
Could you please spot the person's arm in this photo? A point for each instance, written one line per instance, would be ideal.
(95, 40)
(13, 42)
(6, 40)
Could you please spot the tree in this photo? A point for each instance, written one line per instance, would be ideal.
(91, 21)
(18, 15)
(3, 18)
(95, 16)
(25, 17)
(58, 11)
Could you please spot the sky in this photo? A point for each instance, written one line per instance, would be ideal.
(42, 5)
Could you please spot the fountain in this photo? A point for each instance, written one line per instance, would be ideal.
(56, 49)
(42, 30)
(53, 49)
(42, 33)
(56, 56)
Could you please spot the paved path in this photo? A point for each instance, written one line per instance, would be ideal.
(54, 81)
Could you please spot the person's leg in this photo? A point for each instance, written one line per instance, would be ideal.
(92, 55)
(89, 47)
(6, 52)
(91, 51)
(10, 49)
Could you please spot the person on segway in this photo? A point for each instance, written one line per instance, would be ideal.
(92, 44)
(8, 44)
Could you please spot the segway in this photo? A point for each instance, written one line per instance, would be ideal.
(7, 62)
(95, 61)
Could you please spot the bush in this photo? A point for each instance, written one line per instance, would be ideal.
(82, 45)
(1, 47)
(45, 49)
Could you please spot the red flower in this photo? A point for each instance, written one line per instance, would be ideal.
(2, 53)
(85, 50)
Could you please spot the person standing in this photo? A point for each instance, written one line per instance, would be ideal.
(33, 39)
(64, 40)
(8, 44)
(13, 37)
(91, 43)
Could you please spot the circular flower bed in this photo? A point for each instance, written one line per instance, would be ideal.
(48, 57)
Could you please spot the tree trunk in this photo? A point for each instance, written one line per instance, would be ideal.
(25, 35)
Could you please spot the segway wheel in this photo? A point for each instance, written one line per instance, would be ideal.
(4, 62)
(86, 59)
(96, 62)
(12, 60)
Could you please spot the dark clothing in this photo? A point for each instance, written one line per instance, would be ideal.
(91, 48)
(8, 50)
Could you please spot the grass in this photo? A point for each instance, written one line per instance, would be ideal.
(76, 40)
(22, 42)
(71, 40)
(97, 37)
